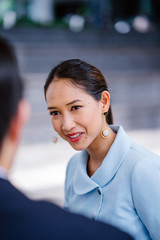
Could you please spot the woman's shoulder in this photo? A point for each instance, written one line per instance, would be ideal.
(144, 155)
(146, 166)
(145, 180)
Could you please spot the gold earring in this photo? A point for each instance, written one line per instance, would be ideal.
(105, 113)
(105, 132)
(55, 139)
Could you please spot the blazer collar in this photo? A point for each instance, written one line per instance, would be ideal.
(82, 183)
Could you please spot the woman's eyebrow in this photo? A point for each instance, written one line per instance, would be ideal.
(70, 103)
(51, 108)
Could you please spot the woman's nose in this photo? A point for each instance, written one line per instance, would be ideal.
(67, 123)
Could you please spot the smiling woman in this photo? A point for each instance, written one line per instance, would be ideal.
(71, 117)
(112, 179)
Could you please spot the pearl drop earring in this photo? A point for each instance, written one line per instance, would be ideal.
(105, 132)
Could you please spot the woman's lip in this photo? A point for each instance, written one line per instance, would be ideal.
(77, 137)
(73, 134)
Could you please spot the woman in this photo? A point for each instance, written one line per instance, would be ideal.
(112, 179)
(20, 217)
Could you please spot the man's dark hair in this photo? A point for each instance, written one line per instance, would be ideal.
(10, 86)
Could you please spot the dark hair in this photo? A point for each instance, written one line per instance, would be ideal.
(83, 75)
(10, 86)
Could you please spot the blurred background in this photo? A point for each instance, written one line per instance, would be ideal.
(120, 37)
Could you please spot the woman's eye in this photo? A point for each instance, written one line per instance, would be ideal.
(54, 113)
(75, 108)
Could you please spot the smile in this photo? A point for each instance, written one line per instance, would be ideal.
(75, 137)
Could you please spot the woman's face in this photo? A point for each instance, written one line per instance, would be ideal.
(76, 116)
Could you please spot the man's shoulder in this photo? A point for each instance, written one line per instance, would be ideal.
(28, 219)
(10, 193)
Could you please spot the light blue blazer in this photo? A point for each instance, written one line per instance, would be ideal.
(124, 191)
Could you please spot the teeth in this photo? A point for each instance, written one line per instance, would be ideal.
(77, 135)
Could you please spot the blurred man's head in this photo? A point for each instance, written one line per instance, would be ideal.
(12, 105)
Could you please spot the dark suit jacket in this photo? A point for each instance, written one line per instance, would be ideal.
(25, 219)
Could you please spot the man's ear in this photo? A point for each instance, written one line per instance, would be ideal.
(19, 120)
(105, 100)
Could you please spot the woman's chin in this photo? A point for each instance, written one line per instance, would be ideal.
(77, 147)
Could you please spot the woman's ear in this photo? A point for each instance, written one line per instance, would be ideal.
(105, 100)
(19, 120)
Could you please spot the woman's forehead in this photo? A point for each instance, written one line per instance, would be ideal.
(65, 91)
(65, 85)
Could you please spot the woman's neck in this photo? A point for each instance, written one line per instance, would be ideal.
(97, 152)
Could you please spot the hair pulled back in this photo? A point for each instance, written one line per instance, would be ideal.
(82, 75)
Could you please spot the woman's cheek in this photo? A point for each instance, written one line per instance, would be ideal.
(55, 126)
